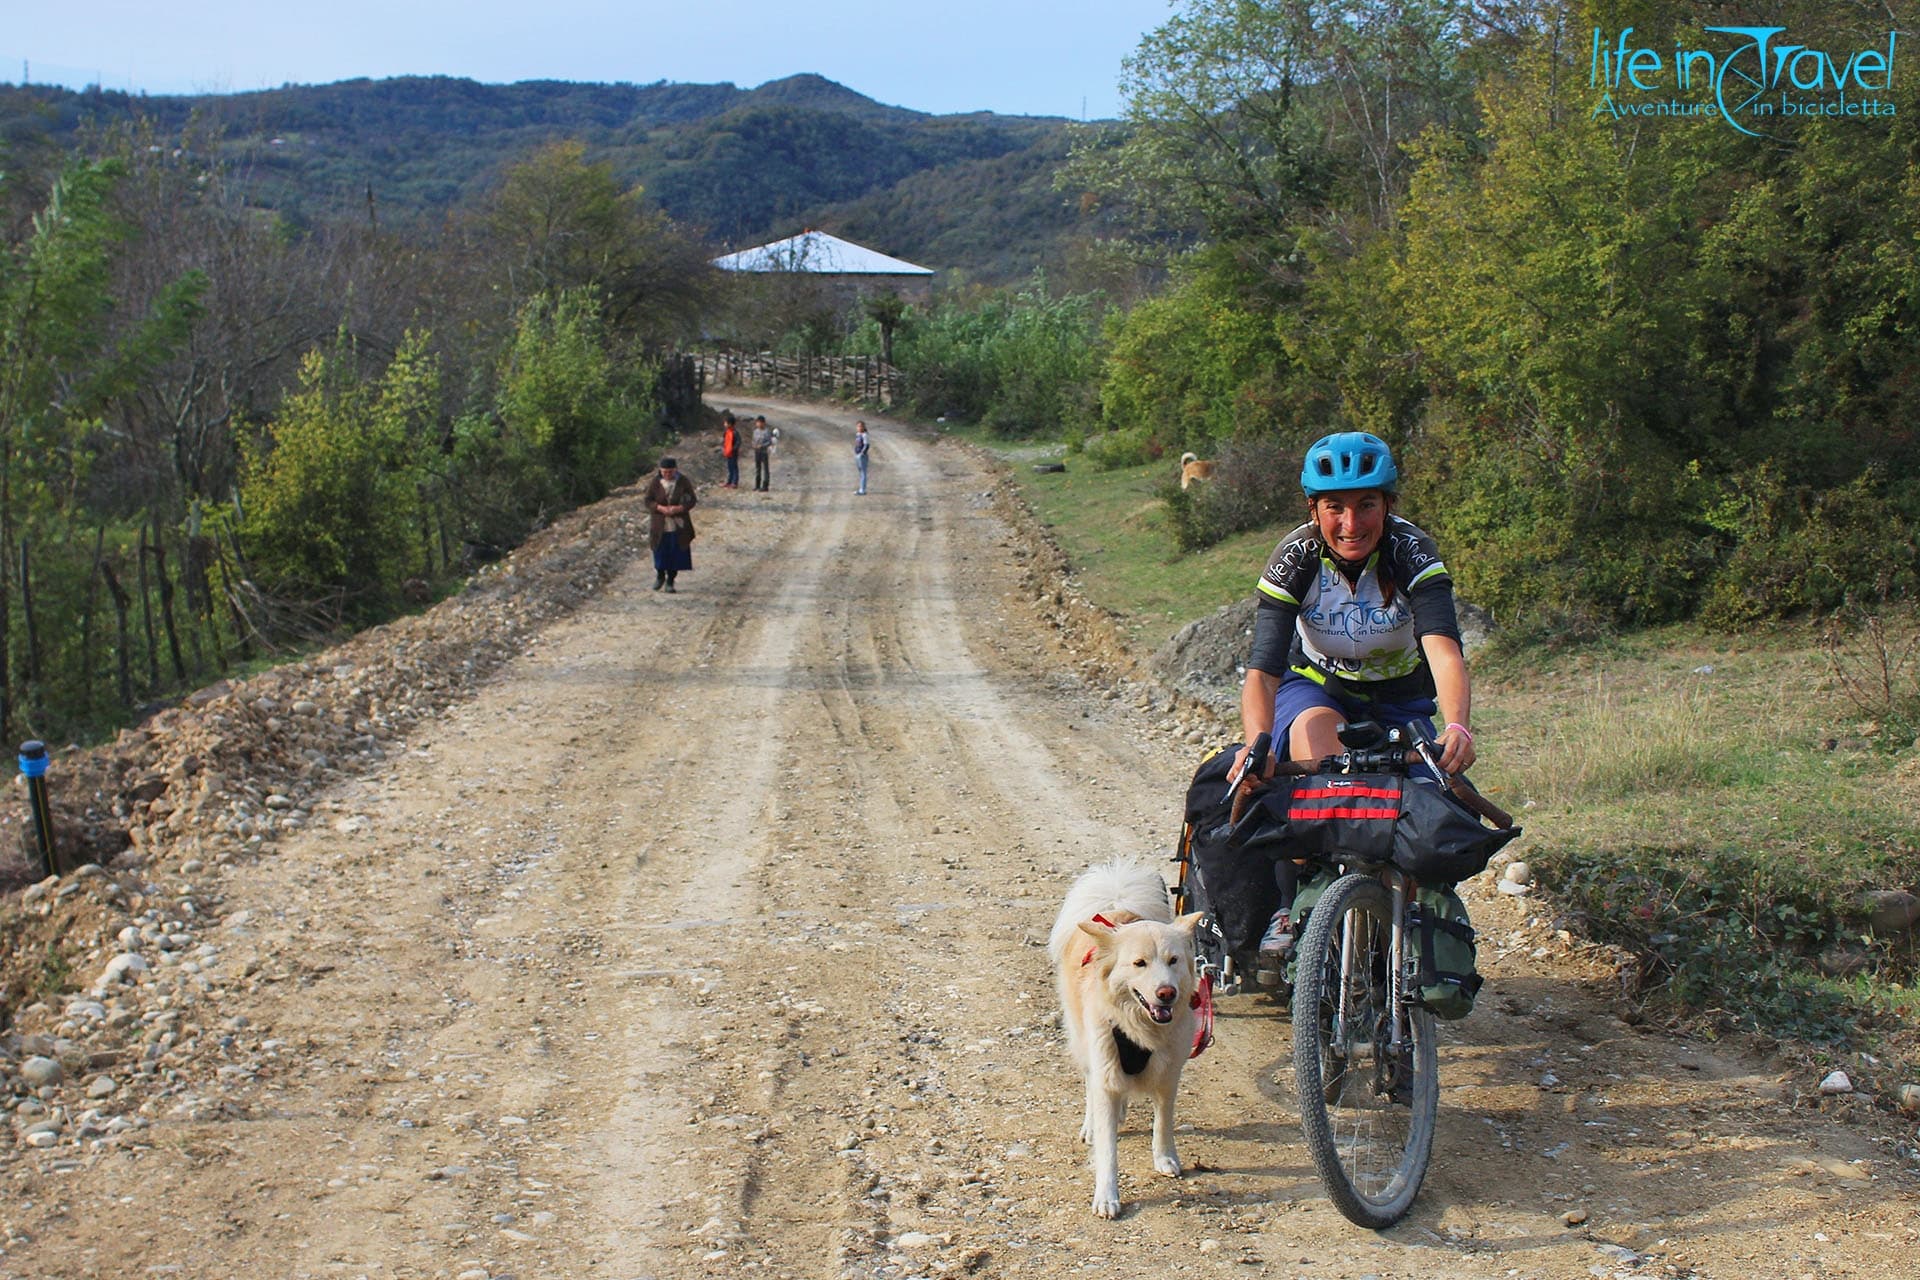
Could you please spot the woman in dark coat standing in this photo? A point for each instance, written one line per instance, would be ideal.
(670, 533)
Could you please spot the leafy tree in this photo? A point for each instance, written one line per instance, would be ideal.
(1243, 116)
(563, 392)
(62, 366)
(566, 224)
(262, 304)
(886, 310)
(568, 424)
(1539, 284)
(1190, 368)
(1281, 136)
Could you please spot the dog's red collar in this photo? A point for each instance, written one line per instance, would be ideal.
(1097, 919)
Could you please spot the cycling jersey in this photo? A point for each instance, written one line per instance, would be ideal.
(1318, 623)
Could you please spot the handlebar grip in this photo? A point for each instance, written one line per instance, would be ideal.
(1250, 765)
(1257, 753)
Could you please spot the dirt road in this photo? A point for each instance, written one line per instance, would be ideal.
(705, 941)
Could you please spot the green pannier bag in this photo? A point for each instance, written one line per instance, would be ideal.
(1318, 880)
(1448, 977)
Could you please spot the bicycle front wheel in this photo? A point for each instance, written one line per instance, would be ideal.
(1368, 1109)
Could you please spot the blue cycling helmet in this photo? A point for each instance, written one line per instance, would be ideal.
(1348, 460)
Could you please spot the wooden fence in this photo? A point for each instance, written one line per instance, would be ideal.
(865, 378)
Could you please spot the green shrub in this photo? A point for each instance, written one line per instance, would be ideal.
(496, 483)
(1021, 362)
(1605, 530)
(569, 423)
(1193, 367)
(1255, 484)
(1721, 934)
(1129, 447)
(331, 487)
(1798, 548)
(570, 404)
(1183, 517)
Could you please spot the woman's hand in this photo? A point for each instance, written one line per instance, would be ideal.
(1456, 748)
(1266, 767)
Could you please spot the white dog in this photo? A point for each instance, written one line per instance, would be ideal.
(1125, 973)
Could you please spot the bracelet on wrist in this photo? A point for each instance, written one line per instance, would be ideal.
(1463, 731)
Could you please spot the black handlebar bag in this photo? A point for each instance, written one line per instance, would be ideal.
(1371, 819)
(1349, 816)
(1439, 841)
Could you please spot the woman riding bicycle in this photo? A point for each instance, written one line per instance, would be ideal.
(1356, 621)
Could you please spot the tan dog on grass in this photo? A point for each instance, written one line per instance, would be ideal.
(1125, 974)
(1192, 468)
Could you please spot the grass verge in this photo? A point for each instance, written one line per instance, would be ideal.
(1113, 527)
(1717, 807)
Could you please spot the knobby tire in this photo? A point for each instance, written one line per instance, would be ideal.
(1371, 1152)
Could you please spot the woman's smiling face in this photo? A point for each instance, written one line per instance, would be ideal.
(1351, 521)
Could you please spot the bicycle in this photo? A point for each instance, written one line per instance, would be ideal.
(1364, 1049)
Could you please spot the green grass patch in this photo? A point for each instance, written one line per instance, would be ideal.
(1113, 527)
(1717, 805)
(54, 974)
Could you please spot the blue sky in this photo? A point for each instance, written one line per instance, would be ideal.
(1018, 56)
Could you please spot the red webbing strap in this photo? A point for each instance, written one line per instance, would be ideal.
(1348, 810)
(1203, 1001)
(1385, 815)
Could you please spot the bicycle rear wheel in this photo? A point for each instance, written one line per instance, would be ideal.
(1368, 1111)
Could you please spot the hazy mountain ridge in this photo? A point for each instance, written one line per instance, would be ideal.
(969, 191)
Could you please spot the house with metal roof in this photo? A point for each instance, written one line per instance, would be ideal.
(817, 253)
(812, 281)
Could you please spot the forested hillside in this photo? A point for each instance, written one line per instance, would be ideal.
(739, 166)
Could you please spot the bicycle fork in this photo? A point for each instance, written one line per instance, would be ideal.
(1397, 965)
(1354, 952)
